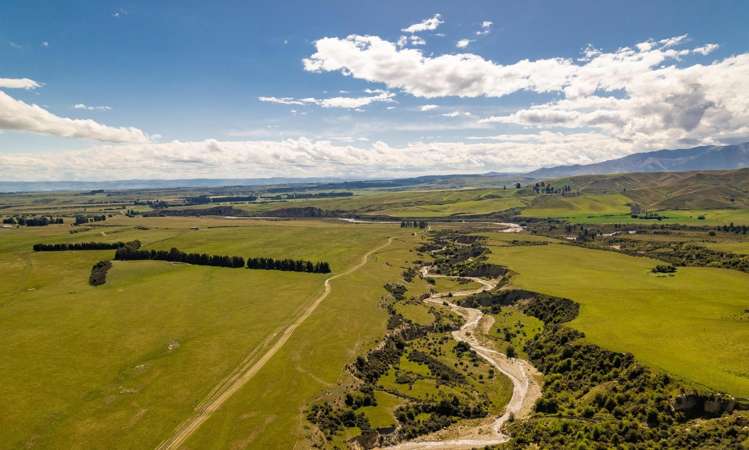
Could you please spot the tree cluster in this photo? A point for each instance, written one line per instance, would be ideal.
(414, 224)
(731, 228)
(81, 219)
(99, 273)
(545, 188)
(37, 221)
(289, 265)
(663, 268)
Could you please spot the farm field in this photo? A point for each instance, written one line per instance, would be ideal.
(712, 217)
(268, 412)
(574, 206)
(692, 324)
(133, 357)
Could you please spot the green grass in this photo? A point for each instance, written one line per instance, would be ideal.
(712, 217)
(457, 208)
(418, 313)
(382, 415)
(693, 325)
(120, 365)
(522, 326)
(563, 207)
(268, 412)
(741, 248)
(424, 203)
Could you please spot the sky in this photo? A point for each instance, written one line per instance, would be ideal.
(112, 90)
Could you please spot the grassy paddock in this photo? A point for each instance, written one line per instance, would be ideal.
(120, 365)
(693, 324)
(268, 412)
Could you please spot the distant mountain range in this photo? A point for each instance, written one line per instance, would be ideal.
(711, 157)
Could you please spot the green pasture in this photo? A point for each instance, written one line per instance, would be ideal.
(693, 325)
(120, 365)
(269, 411)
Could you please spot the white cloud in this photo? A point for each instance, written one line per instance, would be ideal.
(416, 40)
(706, 49)
(486, 28)
(91, 108)
(281, 100)
(466, 75)
(18, 83)
(463, 43)
(44, 44)
(413, 40)
(673, 41)
(306, 157)
(428, 107)
(426, 25)
(645, 94)
(457, 114)
(335, 102)
(20, 116)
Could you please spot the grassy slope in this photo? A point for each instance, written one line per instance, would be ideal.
(672, 190)
(427, 203)
(98, 359)
(692, 325)
(588, 204)
(268, 411)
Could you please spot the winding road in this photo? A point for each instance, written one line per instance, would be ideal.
(525, 389)
(250, 366)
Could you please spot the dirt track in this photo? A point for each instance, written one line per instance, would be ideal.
(251, 366)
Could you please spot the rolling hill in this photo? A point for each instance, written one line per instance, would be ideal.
(670, 190)
(711, 157)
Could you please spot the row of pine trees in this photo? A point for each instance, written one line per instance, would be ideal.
(78, 246)
(291, 265)
(128, 253)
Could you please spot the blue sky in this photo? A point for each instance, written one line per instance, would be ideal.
(174, 87)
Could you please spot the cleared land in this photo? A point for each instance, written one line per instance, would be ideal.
(120, 365)
(693, 324)
(268, 412)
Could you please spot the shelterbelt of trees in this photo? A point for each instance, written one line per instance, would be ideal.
(127, 253)
(80, 246)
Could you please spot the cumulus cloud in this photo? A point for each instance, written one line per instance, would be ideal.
(334, 102)
(374, 59)
(463, 43)
(307, 157)
(430, 24)
(91, 108)
(20, 116)
(647, 94)
(657, 106)
(18, 83)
